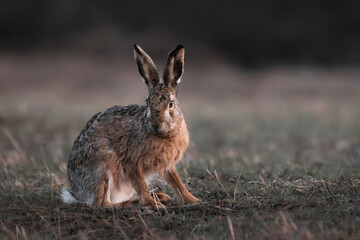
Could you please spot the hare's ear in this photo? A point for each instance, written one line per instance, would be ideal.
(174, 66)
(146, 67)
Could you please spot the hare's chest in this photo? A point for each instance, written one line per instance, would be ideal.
(165, 154)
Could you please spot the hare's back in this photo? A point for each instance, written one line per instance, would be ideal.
(103, 128)
(113, 118)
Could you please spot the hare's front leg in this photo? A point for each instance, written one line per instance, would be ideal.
(138, 181)
(172, 178)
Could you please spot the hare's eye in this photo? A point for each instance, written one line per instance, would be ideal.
(171, 104)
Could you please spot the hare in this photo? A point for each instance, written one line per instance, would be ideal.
(118, 149)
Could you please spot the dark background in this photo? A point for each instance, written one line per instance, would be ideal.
(270, 95)
(251, 33)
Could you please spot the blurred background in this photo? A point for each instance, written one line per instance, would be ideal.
(270, 93)
(251, 33)
(256, 55)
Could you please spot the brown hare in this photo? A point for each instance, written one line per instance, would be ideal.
(120, 148)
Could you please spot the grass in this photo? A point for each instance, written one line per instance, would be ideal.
(274, 154)
(260, 172)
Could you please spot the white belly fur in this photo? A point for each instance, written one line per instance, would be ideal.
(124, 192)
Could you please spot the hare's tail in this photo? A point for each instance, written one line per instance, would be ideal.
(67, 196)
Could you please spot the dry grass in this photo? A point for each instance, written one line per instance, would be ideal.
(258, 177)
(264, 167)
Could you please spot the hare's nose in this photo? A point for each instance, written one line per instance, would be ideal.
(155, 126)
(159, 128)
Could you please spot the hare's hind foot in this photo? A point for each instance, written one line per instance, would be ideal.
(132, 202)
(155, 201)
(162, 197)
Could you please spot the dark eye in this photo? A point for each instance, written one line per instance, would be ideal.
(171, 104)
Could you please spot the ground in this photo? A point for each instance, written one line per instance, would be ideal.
(274, 154)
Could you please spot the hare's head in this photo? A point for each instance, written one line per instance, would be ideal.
(163, 113)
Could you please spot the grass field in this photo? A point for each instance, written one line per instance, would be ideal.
(274, 166)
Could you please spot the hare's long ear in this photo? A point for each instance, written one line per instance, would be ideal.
(146, 67)
(174, 66)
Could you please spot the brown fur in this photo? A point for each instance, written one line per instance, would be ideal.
(122, 146)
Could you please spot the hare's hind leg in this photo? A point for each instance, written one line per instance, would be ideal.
(118, 192)
(105, 194)
(135, 201)
(101, 192)
(132, 202)
(162, 197)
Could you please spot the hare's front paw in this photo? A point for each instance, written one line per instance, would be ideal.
(190, 199)
(151, 202)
